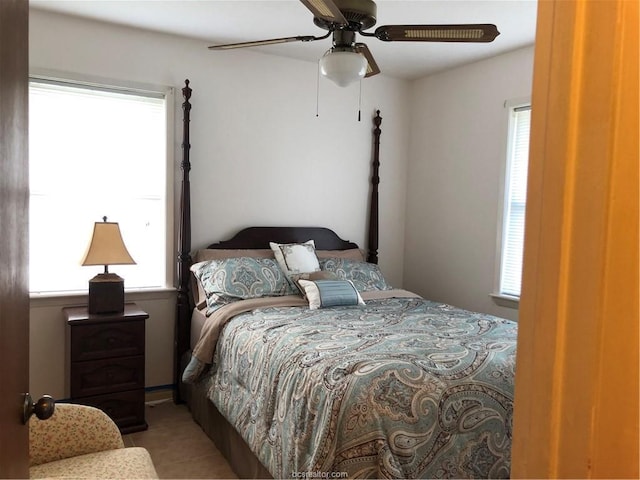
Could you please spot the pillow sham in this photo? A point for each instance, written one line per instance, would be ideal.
(330, 293)
(205, 254)
(296, 258)
(227, 280)
(365, 276)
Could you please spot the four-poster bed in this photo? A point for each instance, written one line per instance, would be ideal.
(389, 386)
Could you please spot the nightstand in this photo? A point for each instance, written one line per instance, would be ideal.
(106, 363)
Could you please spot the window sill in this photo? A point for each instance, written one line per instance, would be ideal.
(52, 299)
(503, 300)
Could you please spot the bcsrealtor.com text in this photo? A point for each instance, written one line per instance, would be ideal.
(319, 475)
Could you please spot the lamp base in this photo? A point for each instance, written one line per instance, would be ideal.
(106, 293)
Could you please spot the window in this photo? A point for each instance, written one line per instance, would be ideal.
(515, 190)
(97, 151)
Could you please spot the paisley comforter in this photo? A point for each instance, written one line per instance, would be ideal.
(399, 388)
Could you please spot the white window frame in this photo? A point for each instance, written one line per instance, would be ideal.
(501, 298)
(134, 87)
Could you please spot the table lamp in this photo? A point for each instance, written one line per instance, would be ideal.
(106, 290)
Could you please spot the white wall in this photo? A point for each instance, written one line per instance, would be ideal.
(456, 169)
(259, 155)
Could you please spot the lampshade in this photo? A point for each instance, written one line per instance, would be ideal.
(343, 67)
(106, 246)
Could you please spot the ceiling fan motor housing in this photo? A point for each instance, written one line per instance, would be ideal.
(344, 39)
(361, 14)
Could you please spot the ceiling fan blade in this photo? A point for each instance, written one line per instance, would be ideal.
(481, 32)
(326, 10)
(372, 67)
(272, 41)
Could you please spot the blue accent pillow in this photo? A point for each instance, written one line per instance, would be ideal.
(330, 293)
(231, 279)
(365, 276)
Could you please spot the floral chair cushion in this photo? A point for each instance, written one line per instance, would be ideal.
(129, 463)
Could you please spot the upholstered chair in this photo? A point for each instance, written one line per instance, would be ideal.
(83, 442)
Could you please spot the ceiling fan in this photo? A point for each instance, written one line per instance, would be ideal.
(348, 60)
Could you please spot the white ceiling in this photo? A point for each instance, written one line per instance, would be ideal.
(219, 21)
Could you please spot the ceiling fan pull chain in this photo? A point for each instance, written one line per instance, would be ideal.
(360, 101)
(318, 89)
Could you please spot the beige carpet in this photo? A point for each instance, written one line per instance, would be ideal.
(178, 446)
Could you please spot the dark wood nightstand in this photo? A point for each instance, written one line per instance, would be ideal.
(106, 363)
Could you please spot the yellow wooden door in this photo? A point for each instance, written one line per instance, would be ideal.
(576, 399)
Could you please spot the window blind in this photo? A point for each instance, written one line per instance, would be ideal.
(95, 151)
(515, 202)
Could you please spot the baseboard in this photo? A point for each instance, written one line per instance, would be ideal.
(158, 394)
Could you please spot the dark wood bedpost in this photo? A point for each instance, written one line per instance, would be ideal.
(372, 255)
(183, 303)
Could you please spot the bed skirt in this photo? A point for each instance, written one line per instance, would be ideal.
(241, 459)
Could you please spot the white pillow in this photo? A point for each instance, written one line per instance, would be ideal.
(295, 258)
(330, 293)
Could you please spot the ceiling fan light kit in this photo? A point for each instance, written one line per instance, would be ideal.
(343, 67)
(343, 64)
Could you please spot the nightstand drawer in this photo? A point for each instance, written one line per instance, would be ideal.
(105, 376)
(117, 339)
(126, 409)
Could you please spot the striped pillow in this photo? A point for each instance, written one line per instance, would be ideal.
(330, 293)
